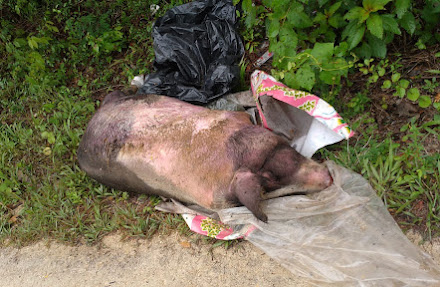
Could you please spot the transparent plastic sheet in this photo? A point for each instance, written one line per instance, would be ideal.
(341, 236)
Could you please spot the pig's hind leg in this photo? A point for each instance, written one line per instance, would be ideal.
(246, 188)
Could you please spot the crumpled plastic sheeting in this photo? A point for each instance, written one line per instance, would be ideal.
(197, 52)
(341, 236)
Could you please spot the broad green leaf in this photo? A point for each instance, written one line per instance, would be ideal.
(274, 47)
(404, 83)
(375, 25)
(330, 77)
(424, 101)
(51, 27)
(251, 13)
(42, 40)
(294, 5)
(364, 51)
(37, 60)
(322, 51)
(19, 42)
(334, 8)
(280, 4)
(349, 29)
(320, 18)
(51, 138)
(413, 94)
(32, 43)
(355, 38)
(378, 47)
(401, 7)
(288, 38)
(341, 50)
(330, 36)
(322, 2)
(291, 81)
(400, 92)
(408, 22)
(336, 21)
(430, 12)
(386, 84)
(390, 24)
(357, 13)
(246, 5)
(337, 65)
(299, 19)
(306, 77)
(374, 5)
(279, 14)
(274, 29)
(395, 77)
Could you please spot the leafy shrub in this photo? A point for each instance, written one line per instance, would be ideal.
(317, 42)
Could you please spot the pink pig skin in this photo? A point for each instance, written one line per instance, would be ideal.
(217, 159)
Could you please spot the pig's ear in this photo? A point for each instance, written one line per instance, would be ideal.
(113, 96)
(246, 187)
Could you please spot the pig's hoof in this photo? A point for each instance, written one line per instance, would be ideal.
(261, 216)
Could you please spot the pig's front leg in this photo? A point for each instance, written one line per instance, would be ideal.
(246, 188)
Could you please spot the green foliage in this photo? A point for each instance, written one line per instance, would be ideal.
(357, 104)
(396, 84)
(57, 59)
(316, 43)
(401, 89)
(404, 175)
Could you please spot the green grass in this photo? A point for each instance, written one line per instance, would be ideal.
(405, 175)
(54, 69)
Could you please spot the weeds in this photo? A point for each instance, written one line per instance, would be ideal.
(49, 72)
(405, 175)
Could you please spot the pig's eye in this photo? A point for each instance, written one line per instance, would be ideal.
(268, 175)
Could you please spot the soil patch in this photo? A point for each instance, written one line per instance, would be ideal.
(162, 261)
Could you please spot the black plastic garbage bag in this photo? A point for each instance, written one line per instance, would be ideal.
(197, 52)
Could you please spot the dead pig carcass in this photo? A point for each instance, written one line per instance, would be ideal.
(217, 159)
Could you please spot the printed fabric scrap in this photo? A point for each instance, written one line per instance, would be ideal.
(213, 228)
(266, 85)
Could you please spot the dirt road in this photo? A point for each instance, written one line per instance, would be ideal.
(162, 261)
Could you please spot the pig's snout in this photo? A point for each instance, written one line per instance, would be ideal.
(315, 176)
(328, 179)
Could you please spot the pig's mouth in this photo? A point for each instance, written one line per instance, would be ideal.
(290, 190)
(328, 181)
(311, 186)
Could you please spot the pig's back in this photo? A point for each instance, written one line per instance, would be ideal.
(159, 145)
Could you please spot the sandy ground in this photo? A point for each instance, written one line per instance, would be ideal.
(162, 261)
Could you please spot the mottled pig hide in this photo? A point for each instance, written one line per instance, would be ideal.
(217, 159)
